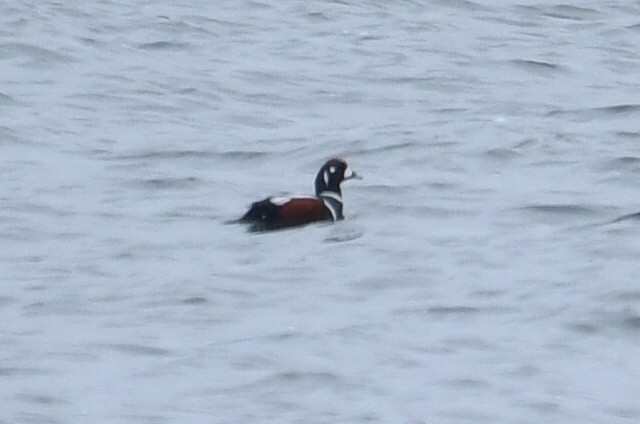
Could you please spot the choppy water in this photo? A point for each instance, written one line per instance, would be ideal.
(478, 277)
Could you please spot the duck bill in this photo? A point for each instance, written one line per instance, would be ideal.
(350, 175)
(354, 176)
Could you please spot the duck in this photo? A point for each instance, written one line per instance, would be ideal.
(274, 213)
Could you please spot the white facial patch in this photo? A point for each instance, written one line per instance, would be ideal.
(348, 173)
(326, 178)
(332, 169)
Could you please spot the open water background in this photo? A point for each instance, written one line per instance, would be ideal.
(478, 277)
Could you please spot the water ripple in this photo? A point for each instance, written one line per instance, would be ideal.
(170, 183)
(38, 55)
(570, 12)
(165, 45)
(562, 209)
(535, 65)
(138, 349)
(595, 112)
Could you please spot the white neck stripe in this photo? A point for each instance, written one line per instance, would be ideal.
(331, 194)
(331, 209)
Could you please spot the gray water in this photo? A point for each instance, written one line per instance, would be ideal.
(477, 278)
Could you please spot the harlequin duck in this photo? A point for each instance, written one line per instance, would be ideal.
(274, 213)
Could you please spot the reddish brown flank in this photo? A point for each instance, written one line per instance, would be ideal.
(303, 211)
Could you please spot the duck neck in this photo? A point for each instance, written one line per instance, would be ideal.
(333, 201)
